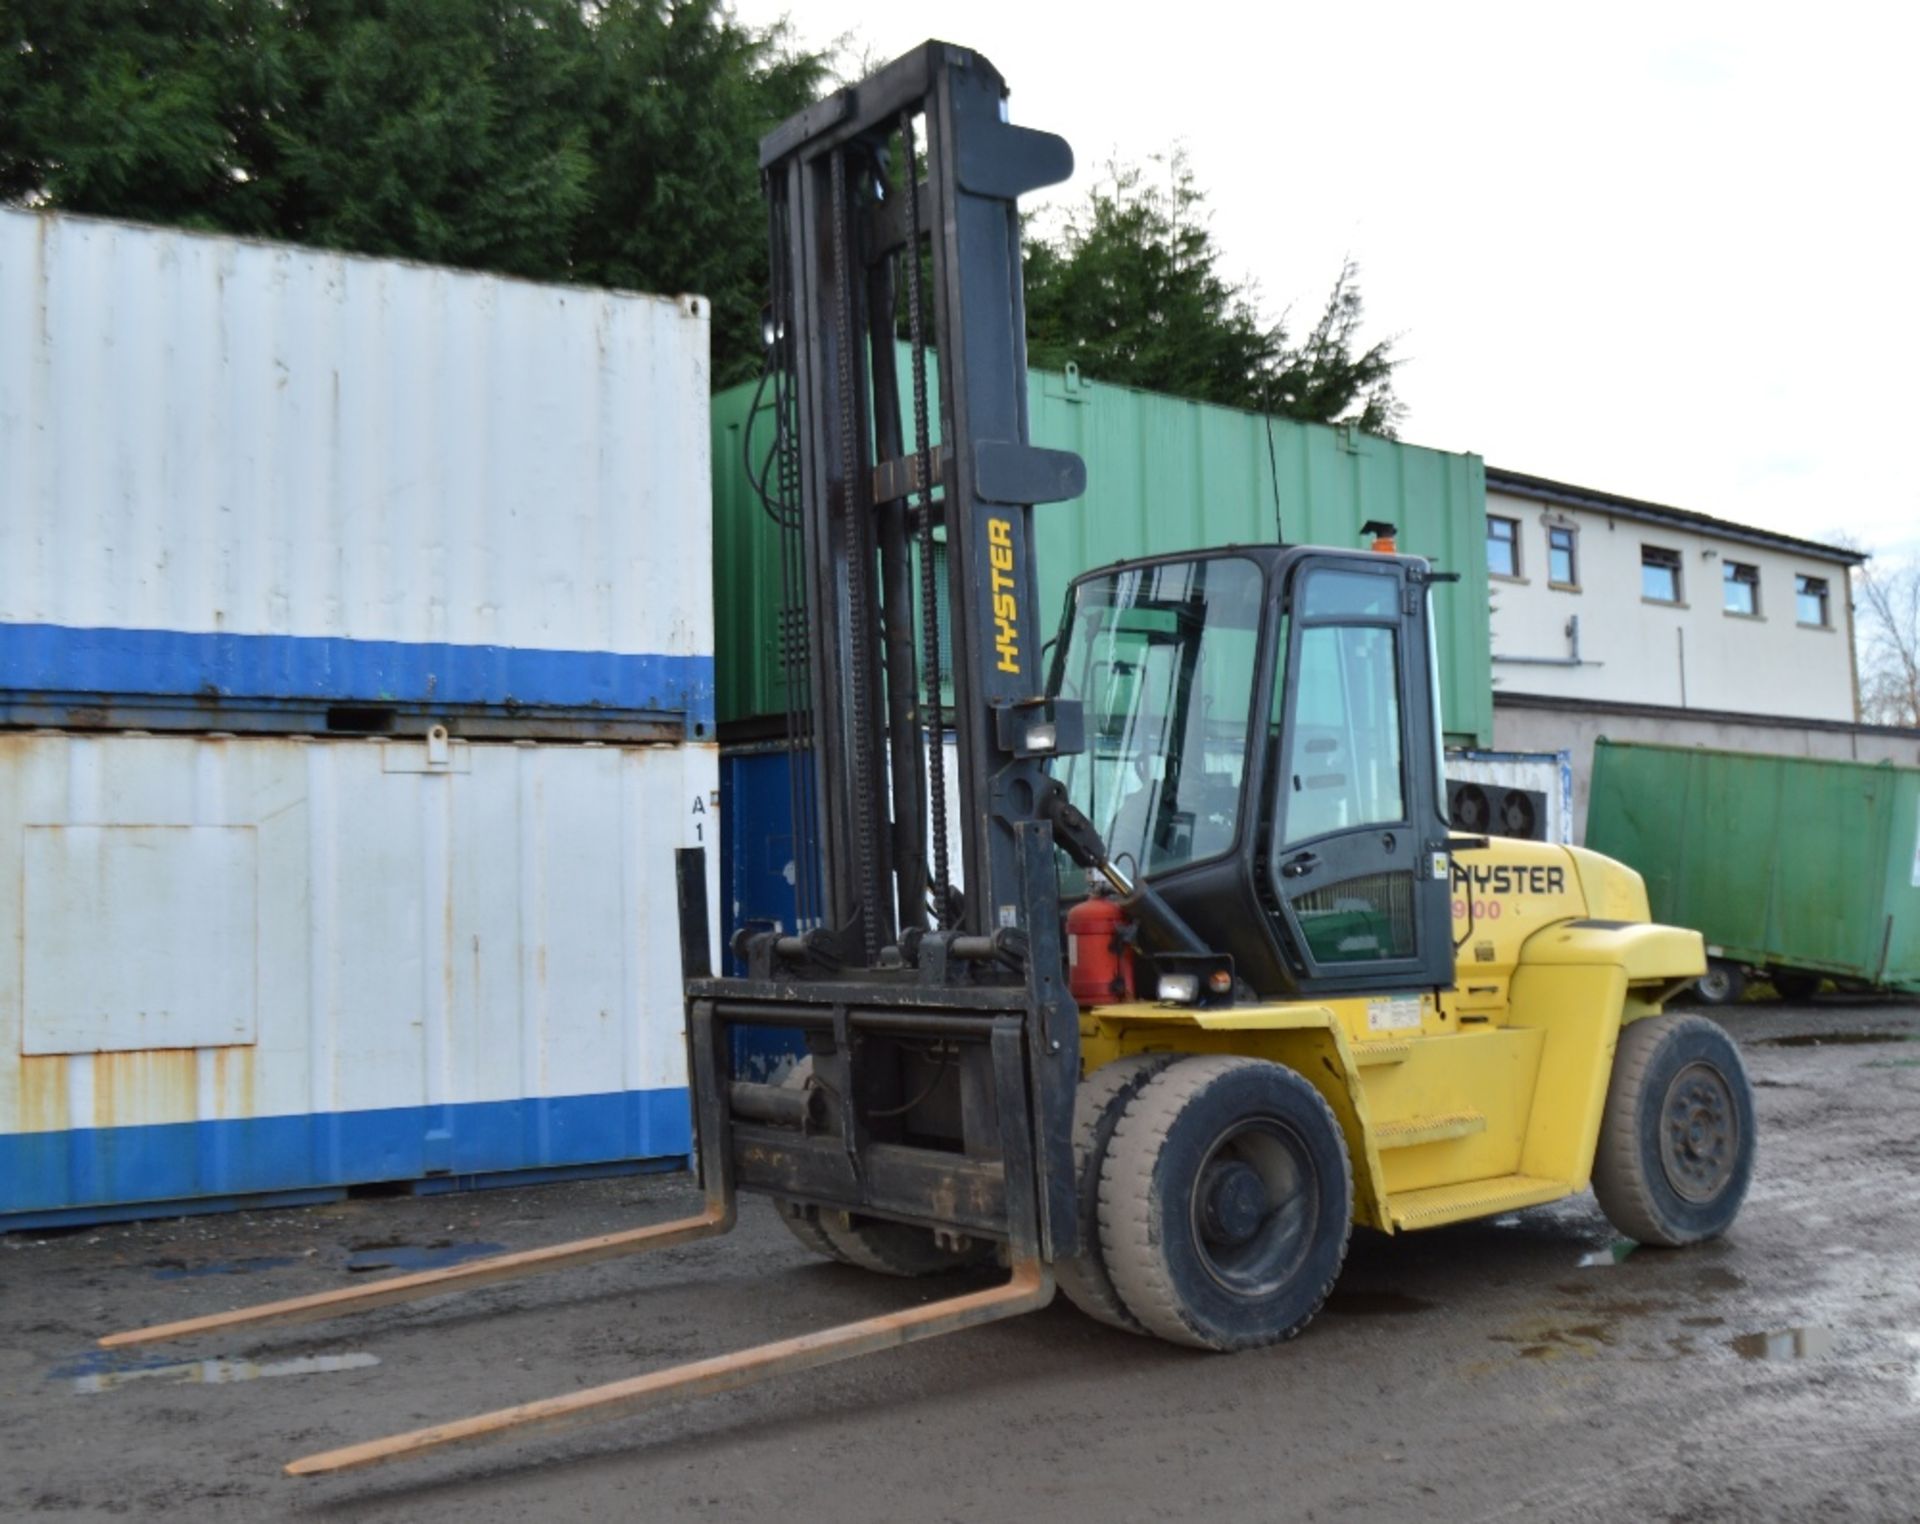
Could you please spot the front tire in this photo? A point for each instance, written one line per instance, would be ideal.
(1676, 1147)
(803, 1222)
(1226, 1203)
(897, 1248)
(1098, 1103)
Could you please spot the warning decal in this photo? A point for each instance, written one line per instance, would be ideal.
(1393, 1012)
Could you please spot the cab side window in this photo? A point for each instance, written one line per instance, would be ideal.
(1343, 766)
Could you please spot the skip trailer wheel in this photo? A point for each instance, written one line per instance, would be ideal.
(1677, 1142)
(1722, 984)
(1226, 1202)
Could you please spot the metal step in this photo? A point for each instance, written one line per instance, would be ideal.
(1411, 1132)
(1367, 1054)
(1439, 1204)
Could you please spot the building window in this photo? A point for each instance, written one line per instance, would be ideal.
(1563, 564)
(1659, 574)
(1810, 600)
(1503, 546)
(1740, 587)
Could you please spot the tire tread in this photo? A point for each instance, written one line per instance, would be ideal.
(1134, 1258)
(1084, 1278)
(893, 1248)
(808, 1230)
(1620, 1181)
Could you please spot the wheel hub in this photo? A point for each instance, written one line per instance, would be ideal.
(1253, 1207)
(1699, 1133)
(1234, 1203)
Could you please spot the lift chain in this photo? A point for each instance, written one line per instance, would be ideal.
(853, 500)
(929, 591)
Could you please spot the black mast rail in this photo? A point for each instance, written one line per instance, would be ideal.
(929, 974)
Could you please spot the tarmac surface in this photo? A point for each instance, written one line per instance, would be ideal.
(1532, 1367)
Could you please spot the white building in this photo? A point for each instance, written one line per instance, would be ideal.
(1637, 621)
(1604, 598)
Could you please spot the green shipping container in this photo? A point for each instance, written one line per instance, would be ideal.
(1162, 475)
(1780, 862)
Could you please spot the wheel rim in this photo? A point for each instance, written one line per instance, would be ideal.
(1253, 1207)
(1699, 1133)
(1715, 984)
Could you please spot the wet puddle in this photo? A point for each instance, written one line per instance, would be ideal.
(1544, 1341)
(434, 1256)
(214, 1372)
(180, 1270)
(1833, 1039)
(1375, 1304)
(1784, 1344)
(1612, 1254)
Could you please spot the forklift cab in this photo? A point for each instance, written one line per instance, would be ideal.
(1263, 748)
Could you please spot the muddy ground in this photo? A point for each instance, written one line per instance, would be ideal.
(1518, 1369)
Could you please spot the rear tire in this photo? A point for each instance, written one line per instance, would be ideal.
(896, 1248)
(1794, 986)
(1097, 1105)
(1226, 1203)
(1676, 1147)
(1722, 984)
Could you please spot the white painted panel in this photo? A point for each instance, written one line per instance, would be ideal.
(496, 927)
(137, 937)
(217, 436)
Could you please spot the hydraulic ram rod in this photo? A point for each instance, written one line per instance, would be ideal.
(717, 1218)
(1030, 1288)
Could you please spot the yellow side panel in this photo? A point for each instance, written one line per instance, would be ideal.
(1576, 1010)
(1486, 1074)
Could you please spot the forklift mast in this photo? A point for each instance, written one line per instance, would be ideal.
(892, 205)
(891, 448)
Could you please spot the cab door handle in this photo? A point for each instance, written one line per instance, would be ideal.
(1299, 865)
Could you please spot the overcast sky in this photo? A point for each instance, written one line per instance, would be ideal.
(1669, 251)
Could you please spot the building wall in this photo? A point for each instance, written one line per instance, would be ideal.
(1543, 725)
(1692, 655)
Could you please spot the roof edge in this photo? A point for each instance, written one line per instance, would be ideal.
(1571, 496)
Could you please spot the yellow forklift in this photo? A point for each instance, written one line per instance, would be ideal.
(1196, 979)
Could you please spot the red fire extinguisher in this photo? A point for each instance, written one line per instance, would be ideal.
(1099, 949)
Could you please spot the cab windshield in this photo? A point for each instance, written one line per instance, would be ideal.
(1162, 658)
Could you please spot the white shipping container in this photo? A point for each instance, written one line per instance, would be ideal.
(236, 967)
(253, 474)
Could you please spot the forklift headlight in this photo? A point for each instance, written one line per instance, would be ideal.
(1180, 989)
(1043, 737)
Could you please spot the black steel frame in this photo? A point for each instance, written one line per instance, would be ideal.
(944, 1041)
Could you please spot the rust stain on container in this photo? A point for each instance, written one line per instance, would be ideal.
(152, 1085)
(233, 1082)
(43, 1094)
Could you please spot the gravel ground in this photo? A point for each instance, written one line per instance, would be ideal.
(1517, 1369)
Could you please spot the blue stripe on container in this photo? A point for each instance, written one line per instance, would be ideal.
(119, 1166)
(52, 658)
